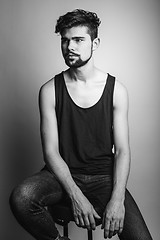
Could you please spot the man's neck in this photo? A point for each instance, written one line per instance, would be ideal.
(85, 73)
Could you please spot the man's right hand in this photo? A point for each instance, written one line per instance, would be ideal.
(83, 211)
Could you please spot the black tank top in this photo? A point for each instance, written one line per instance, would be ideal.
(85, 134)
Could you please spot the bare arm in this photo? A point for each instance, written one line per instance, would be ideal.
(83, 211)
(114, 215)
(122, 148)
(49, 136)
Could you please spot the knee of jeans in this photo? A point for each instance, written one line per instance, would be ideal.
(20, 197)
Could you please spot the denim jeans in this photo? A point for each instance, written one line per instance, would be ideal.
(30, 199)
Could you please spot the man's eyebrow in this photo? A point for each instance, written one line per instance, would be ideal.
(77, 37)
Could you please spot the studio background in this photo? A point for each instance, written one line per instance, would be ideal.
(30, 55)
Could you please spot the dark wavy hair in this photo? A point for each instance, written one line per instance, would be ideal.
(79, 17)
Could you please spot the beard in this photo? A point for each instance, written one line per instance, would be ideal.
(76, 63)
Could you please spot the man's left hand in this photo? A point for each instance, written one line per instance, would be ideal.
(113, 218)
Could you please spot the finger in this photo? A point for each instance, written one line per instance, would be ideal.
(103, 221)
(106, 227)
(121, 224)
(116, 228)
(76, 219)
(81, 222)
(111, 229)
(87, 222)
(92, 222)
(95, 214)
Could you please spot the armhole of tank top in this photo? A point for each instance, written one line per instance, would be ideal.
(113, 90)
(112, 82)
(54, 90)
(112, 116)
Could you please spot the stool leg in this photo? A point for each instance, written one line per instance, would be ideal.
(89, 234)
(65, 230)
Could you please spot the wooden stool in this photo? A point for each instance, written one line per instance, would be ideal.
(62, 215)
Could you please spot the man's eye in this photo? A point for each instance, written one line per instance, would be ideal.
(79, 40)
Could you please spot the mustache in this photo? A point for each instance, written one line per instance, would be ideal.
(72, 54)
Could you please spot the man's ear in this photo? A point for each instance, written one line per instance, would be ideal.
(96, 43)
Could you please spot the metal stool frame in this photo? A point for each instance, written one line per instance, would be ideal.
(62, 215)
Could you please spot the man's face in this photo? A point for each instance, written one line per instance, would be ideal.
(76, 46)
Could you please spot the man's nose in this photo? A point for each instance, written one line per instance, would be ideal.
(71, 45)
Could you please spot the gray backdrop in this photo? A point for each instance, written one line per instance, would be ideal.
(30, 55)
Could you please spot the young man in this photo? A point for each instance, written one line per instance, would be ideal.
(85, 139)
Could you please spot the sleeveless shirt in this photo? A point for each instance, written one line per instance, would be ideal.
(85, 134)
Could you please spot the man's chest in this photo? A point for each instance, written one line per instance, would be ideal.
(86, 95)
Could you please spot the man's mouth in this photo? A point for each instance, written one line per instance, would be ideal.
(70, 55)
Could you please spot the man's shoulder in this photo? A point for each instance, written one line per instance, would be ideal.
(50, 83)
(120, 92)
(46, 92)
(119, 86)
(47, 86)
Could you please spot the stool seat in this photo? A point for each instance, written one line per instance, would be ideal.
(62, 214)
